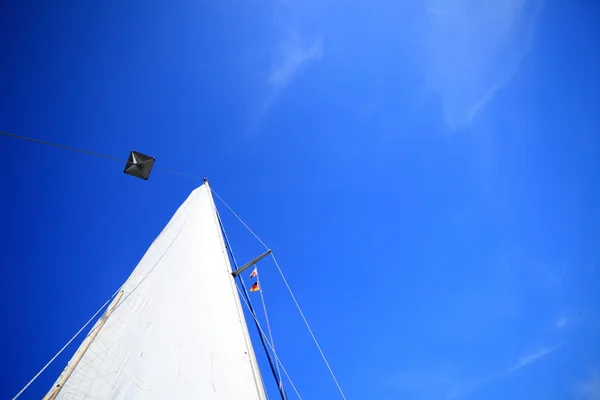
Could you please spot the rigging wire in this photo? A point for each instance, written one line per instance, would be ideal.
(239, 219)
(60, 146)
(278, 360)
(262, 299)
(251, 308)
(90, 153)
(292, 294)
(65, 346)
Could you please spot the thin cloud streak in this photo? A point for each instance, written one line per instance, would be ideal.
(590, 389)
(471, 49)
(523, 362)
(528, 359)
(561, 323)
(292, 59)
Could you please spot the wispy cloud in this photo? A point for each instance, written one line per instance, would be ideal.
(472, 49)
(523, 362)
(293, 54)
(589, 389)
(291, 59)
(561, 322)
(445, 383)
(530, 358)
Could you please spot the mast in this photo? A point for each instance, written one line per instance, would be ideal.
(178, 330)
(252, 355)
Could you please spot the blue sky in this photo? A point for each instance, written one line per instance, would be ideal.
(426, 173)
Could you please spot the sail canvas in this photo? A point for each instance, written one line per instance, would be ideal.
(176, 330)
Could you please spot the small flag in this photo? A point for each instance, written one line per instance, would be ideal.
(254, 273)
(254, 287)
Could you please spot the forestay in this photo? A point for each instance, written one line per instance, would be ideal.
(177, 331)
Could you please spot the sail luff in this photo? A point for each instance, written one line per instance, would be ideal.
(179, 329)
(251, 353)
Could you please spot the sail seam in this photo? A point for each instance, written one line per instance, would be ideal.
(256, 376)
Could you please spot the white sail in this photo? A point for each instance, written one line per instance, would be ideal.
(176, 330)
